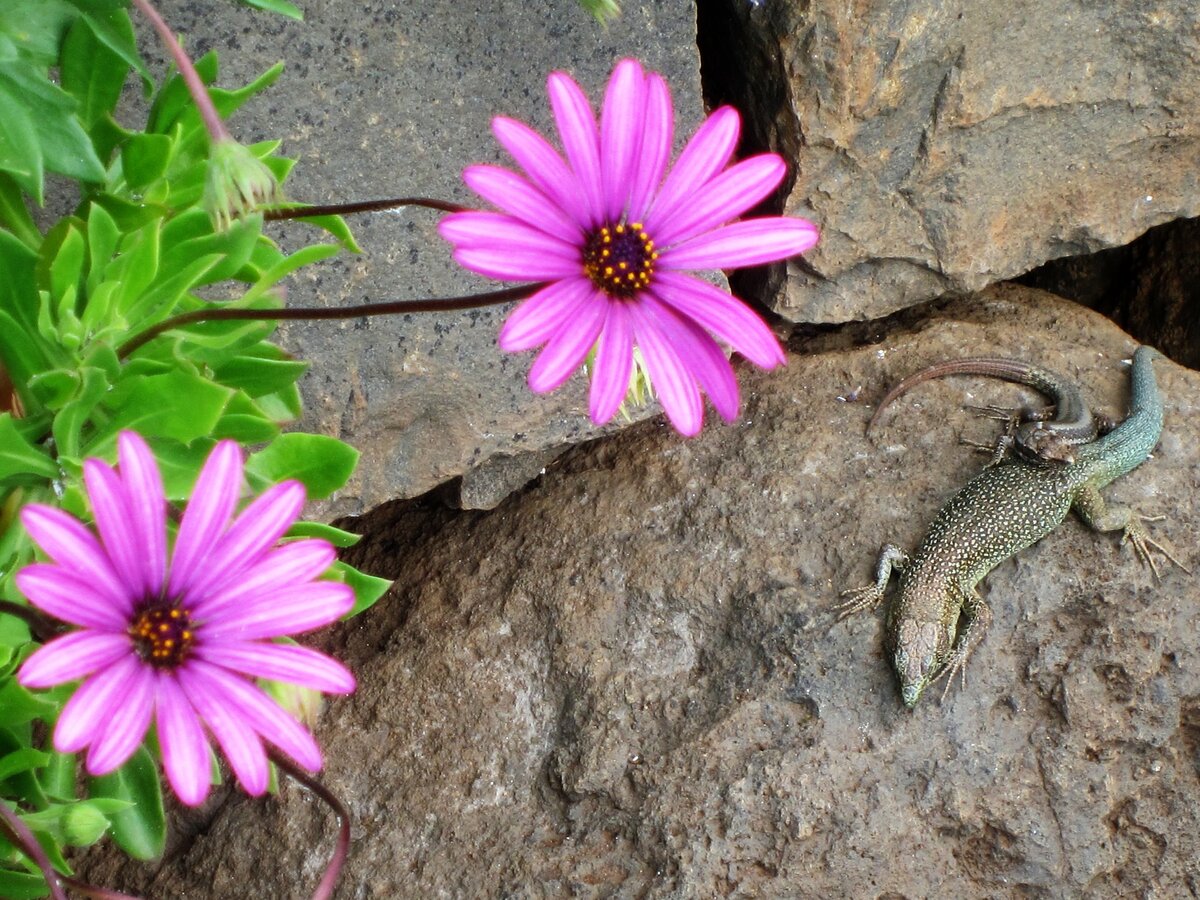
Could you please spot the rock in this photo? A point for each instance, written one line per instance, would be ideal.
(944, 147)
(627, 680)
(389, 99)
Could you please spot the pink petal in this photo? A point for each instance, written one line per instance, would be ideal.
(144, 490)
(266, 717)
(293, 609)
(704, 156)
(577, 128)
(542, 164)
(566, 350)
(614, 365)
(61, 593)
(535, 320)
(96, 701)
(280, 662)
(476, 230)
(185, 751)
(703, 358)
(256, 528)
(230, 724)
(521, 200)
(73, 656)
(294, 563)
(658, 130)
(208, 511)
(725, 316)
(621, 128)
(76, 549)
(724, 198)
(124, 731)
(668, 373)
(507, 265)
(749, 243)
(116, 521)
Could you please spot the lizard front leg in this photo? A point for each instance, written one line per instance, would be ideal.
(1100, 516)
(891, 558)
(978, 617)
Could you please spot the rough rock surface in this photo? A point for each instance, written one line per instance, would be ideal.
(949, 145)
(394, 99)
(627, 681)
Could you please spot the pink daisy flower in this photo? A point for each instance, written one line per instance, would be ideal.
(613, 232)
(178, 643)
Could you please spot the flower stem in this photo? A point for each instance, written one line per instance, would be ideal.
(208, 113)
(346, 209)
(394, 307)
(342, 849)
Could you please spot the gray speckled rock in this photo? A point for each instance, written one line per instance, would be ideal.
(945, 146)
(627, 681)
(385, 99)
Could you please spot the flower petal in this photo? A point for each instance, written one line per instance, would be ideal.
(749, 243)
(621, 129)
(230, 724)
(124, 730)
(293, 609)
(115, 520)
(144, 490)
(294, 563)
(73, 656)
(566, 350)
(265, 716)
(542, 164)
(658, 131)
(256, 528)
(477, 230)
(535, 320)
(704, 156)
(527, 265)
(725, 316)
(577, 128)
(185, 750)
(614, 365)
(523, 201)
(96, 701)
(67, 596)
(724, 198)
(76, 549)
(674, 384)
(280, 662)
(207, 514)
(703, 358)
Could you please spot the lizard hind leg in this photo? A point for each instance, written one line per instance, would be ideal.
(978, 616)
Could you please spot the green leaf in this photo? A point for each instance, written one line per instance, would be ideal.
(58, 777)
(20, 152)
(103, 236)
(141, 829)
(25, 760)
(21, 885)
(335, 536)
(110, 23)
(337, 228)
(177, 405)
(92, 386)
(64, 145)
(321, 463)
(367, 588)
(144, 158)
(14, 214)
(20, 458)
(91, 72)
(277, 6)
(18, 706)
(264, 369)
(245, 423)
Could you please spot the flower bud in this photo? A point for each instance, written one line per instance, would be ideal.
(83, 824)
(238, 183)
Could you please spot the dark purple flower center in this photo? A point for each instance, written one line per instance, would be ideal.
(619, 259)
(162, 636)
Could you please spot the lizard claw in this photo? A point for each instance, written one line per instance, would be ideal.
(1142, 543)
(858, 599)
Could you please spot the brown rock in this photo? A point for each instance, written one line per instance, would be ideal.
(627, 680)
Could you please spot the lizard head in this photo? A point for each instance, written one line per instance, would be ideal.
(919, 651)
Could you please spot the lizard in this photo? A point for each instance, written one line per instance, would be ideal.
(1006, 508)
(1036, 437)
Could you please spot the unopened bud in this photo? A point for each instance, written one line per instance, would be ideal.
(238, 183)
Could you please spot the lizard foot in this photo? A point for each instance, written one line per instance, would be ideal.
(1142, 543)
(858, 599)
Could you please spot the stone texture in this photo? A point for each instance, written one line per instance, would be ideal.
(944, 146)
(627, 681)
(388, 99)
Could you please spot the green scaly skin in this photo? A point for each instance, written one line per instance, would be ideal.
(1005, 509)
